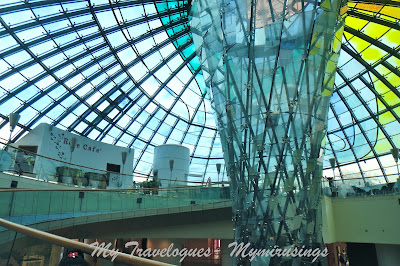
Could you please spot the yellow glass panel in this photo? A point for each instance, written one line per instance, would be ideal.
(366, 12)
(393, 79)
(375, 31)
(330, 67)
(336, 45)
(380, 105)
(380, 87)
(391, 98)
(334, 57)
(343, 10)
(326, 93)
(380, 136)
(388, 18)
(324, 141)
(347, 35)
(339, 33)
(382, 70)
(355, 23)
(392, 38)
(382, 146)
(338, 40)
(391, 11)
(358, 43)
(386, 118)
(329, 81)
(326, 5)
(397, 111)
(394, 61)
(373, 77)
(370, 7)
(314, 51)
(316, 42)
(372, 54)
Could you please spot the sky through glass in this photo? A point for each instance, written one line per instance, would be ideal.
(126, 73)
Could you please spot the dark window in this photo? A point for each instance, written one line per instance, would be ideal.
(116, 168)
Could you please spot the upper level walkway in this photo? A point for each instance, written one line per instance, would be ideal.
(182, 212)
(57, 208)
(48, 205)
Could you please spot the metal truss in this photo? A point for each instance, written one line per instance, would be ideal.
(115, 78)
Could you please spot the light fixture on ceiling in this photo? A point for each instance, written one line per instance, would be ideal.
(218, 165)
(14, 118)
(395, 154)
(171, 167)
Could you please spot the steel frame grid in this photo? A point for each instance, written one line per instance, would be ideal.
(30, 5)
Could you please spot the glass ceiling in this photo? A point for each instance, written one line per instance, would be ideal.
(125, 72)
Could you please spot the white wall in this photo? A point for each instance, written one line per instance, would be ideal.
(181, 157)
(55, 143)
(371, 219)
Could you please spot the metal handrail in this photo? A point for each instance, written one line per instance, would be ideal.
(86, 248)
(183, 188)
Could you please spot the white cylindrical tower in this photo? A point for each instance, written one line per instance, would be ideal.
(171, 164)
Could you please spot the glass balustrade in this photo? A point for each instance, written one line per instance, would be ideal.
(77, 190)
(35, 206)
(358, 187)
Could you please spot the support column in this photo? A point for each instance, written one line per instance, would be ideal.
(271, 67)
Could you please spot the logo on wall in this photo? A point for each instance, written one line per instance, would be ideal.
(57, 140)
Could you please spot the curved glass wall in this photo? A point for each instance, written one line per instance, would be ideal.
(363, 123)
(126, 73)
(121, 72)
